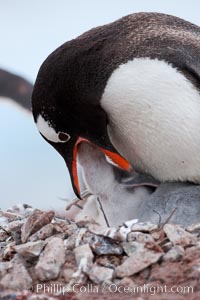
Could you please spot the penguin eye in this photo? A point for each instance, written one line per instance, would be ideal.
(47, 130)
(63, 137)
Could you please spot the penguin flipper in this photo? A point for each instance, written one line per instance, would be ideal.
(141, 180)
(134, 179)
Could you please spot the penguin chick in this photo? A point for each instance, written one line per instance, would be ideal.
(118, 201)
(180, 198)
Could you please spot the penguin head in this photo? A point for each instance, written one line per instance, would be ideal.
(67, 111)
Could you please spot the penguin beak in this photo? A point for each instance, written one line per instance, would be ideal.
(71, 161)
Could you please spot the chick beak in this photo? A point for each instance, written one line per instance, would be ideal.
(71, 162)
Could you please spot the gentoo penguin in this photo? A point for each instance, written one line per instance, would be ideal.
(132, 88)
(16, 88)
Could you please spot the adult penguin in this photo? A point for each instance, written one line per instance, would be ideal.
(131, 88)
(16, 88)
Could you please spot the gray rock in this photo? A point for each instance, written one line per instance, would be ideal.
(67, 274)
(137, 261)
(99, 274)
(30, 249)
(4, 267)
(45, 232)
(70, 242)
(51, 260)
(10, 216)
(144, 227)
(116, 234)
(58, 235)
(101, 245)
(84, 257)
(8, 250)
(124, 231)
(23, 210)
(66, 228)
(3, 235)
(194, 228)
(34, 222)
(102, 230)
(109, 261)
(18, 277)
(140, 237)
(130, 223)
(127, 282)
(14, 228)
(174, 254)
(167, 246)
(132, 247)
(178, 236)
(15, 225)
(79, 236)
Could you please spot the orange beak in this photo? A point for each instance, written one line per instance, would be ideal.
(116, 158)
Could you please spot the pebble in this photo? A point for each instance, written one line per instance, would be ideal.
(8, 251)
(67, 274)
(84, 257)
(68, 229)
(3, 235)
(130, 223)
(45, 232)
(36, 220)
(144, 227)
(124, 231)
(15, 225)
(4, 267)
(174, 254)
(140, 237)
(178, 236)
(10, 216)
(3, 223)
(70, 242)
(132, 247)
(22, 209)
(194, 228)
(100, 274)
(70, 260)
(167, 246)
(30, 249)
(18, 277)
(109, 261)
(102, 230)
(140, 259)
(51, 260)
(79, 236)
(127, 282)
(102, 246)
(14, 228)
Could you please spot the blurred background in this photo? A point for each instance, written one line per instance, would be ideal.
(30, 170)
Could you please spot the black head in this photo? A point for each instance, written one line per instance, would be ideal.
(66, 106)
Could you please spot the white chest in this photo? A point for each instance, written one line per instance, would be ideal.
(154, 119)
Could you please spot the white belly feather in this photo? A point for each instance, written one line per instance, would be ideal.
(154, 119)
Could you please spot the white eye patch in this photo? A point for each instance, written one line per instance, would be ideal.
(49, 132)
